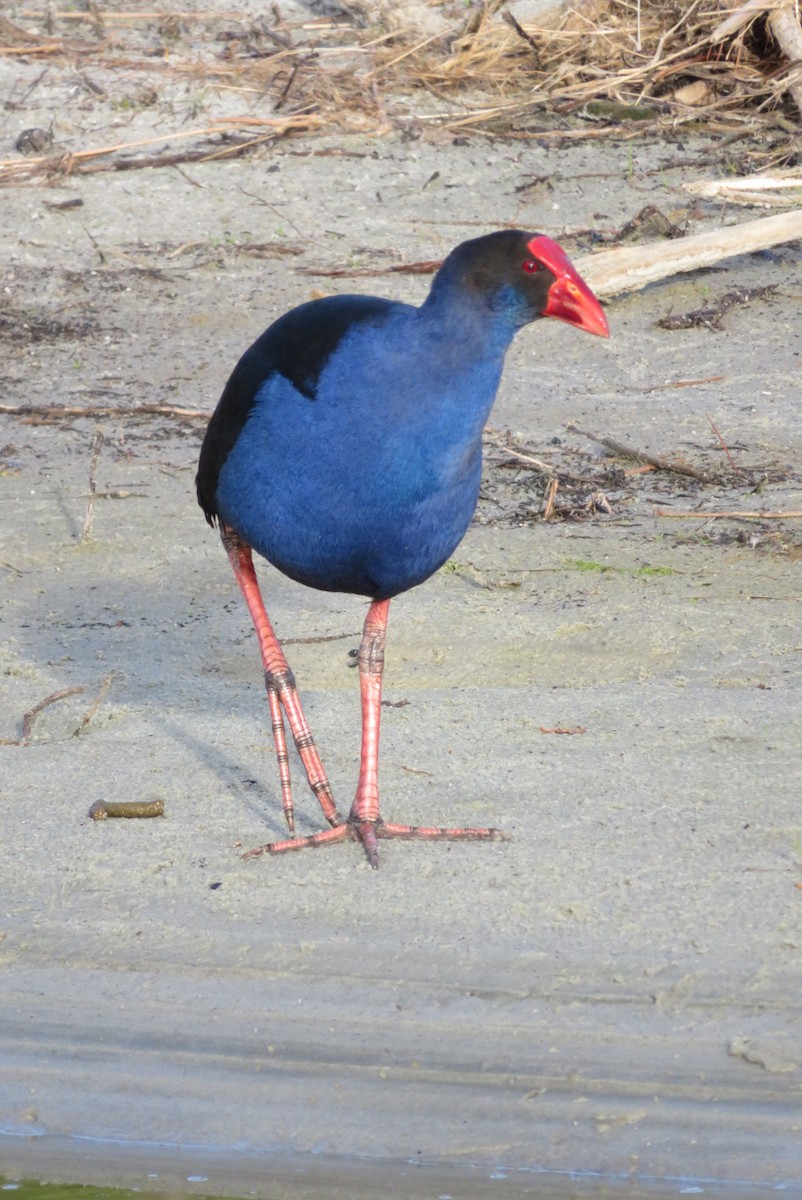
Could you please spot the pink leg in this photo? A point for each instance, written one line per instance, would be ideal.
(281, 690)
(282, 757)
(364, 821)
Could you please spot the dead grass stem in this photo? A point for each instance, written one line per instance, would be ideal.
(618, 66)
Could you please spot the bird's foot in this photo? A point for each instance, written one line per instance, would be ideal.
(369, 833)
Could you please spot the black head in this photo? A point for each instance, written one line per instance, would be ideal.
(526, 273)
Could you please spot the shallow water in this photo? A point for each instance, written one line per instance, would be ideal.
(371, 1181)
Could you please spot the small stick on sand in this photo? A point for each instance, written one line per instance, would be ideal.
(745, 515)
(56, 411)
(30, 716)
(722, 443)
(549, 497)
(427, 267)
(564, 729)
(91, 712)
(660, 464)
(97, 446)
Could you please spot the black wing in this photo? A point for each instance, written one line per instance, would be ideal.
(297, 346)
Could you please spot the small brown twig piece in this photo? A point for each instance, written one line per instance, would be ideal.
(89, 516)
(30, 716)
(683, 383)
(96, 244)
(97, 19)
(316, 641)
(549, 497)
(281, 215)
(32, 713)
(564, 729)
(722, 443)
(523, 35)
(660, 464)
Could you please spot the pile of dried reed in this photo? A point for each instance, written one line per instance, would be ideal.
(589, 68)
(620, 61)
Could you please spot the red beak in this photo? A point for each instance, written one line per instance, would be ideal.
(569, 299)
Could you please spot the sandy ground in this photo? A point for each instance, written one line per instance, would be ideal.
(612, 993)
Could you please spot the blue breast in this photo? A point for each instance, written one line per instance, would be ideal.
(368, 482)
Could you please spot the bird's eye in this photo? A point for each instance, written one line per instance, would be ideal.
(531, 266)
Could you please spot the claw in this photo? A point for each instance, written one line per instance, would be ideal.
(367, 835)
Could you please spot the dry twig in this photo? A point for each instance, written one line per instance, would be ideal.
(564, 729)
(94, 458)
(784, 24)
(711, 316)
(15, 170)
(746, 515)
(549, 498)
(57, 412)
(91, 712)
(769, 189)
(30, 716)
(427, 267)
(721, 441)
(659, 464)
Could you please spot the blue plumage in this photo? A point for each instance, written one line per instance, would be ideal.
(370, 485)
(347, 450)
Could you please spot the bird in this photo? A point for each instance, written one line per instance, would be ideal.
(346, 449)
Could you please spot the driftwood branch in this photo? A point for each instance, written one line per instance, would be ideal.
(631, 267)
(740, 17)
(784, 25)
(775, 189)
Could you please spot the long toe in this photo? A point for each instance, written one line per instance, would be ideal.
(369, 833)
(324, 838)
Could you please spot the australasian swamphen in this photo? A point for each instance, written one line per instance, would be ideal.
(347, 450)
